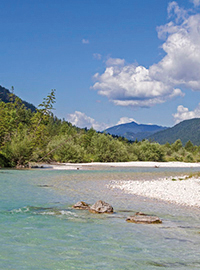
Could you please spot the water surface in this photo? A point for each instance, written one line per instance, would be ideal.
(40, 230)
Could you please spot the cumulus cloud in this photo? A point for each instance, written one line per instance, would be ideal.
(183, 113)
(81, 120)
(132, 85)
(138, 86)
(85, 41)
(125, 120)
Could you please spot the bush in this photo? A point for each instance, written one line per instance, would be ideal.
(189, 158)
(19, 150)
(4, 162)
(64, 149)
(151, 152)
(107, 149)
(175, 157)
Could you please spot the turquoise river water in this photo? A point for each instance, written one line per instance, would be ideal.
(40, 230)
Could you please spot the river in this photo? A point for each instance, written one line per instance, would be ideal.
(40, 229)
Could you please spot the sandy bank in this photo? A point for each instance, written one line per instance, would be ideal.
(93, 165)
(173, 189)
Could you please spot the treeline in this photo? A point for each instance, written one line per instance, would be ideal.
(27, 137)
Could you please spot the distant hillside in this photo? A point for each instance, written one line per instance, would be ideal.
(185, 131)
(5, 95)
(133, 131)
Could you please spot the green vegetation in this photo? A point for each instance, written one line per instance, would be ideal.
(38, 136)
(194, 174)
(5, 96)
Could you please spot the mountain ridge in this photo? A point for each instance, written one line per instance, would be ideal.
(5, 97)
(186, 130)
(134, 131)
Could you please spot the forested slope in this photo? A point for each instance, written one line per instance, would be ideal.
(185, 131)
(5, 96)
(133, 130)
(28, 137)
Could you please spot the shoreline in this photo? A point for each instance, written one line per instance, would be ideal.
(178, 190)
(95, 165)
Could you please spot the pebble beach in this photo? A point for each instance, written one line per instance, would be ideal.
(179, 190)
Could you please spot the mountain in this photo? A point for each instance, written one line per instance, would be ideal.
(133, 131)
(185, 131)
(5, 97)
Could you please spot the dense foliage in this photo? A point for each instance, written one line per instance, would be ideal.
(38, 136)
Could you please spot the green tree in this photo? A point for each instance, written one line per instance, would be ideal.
(189, 146)
(150, 152)
(40, 120)
(64, 149)
(177, 145)
(107, 149)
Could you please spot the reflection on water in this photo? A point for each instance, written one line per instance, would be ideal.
(40, 230)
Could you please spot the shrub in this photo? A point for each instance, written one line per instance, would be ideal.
(4, 162)
(64, 149)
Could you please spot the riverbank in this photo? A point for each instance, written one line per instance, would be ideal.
(94, 165)
(179, 189)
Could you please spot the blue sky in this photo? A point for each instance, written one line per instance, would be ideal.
(110, 61)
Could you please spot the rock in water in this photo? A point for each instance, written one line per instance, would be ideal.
(81, 205)
(144, 219)
(140, 214)
(101, 207)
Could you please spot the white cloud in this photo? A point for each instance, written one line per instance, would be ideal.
(131, 85)
(81, 120)
(97, 56)
(125, 120)
(115, 62)
(181, 65)
(183, 113)
(176, 11)
(85, 41)
(196, 2)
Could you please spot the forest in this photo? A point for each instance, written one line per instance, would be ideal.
(31, 137)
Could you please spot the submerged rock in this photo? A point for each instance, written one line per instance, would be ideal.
(81, 205)
(101, 207)
(45, 186)
(144, 219)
